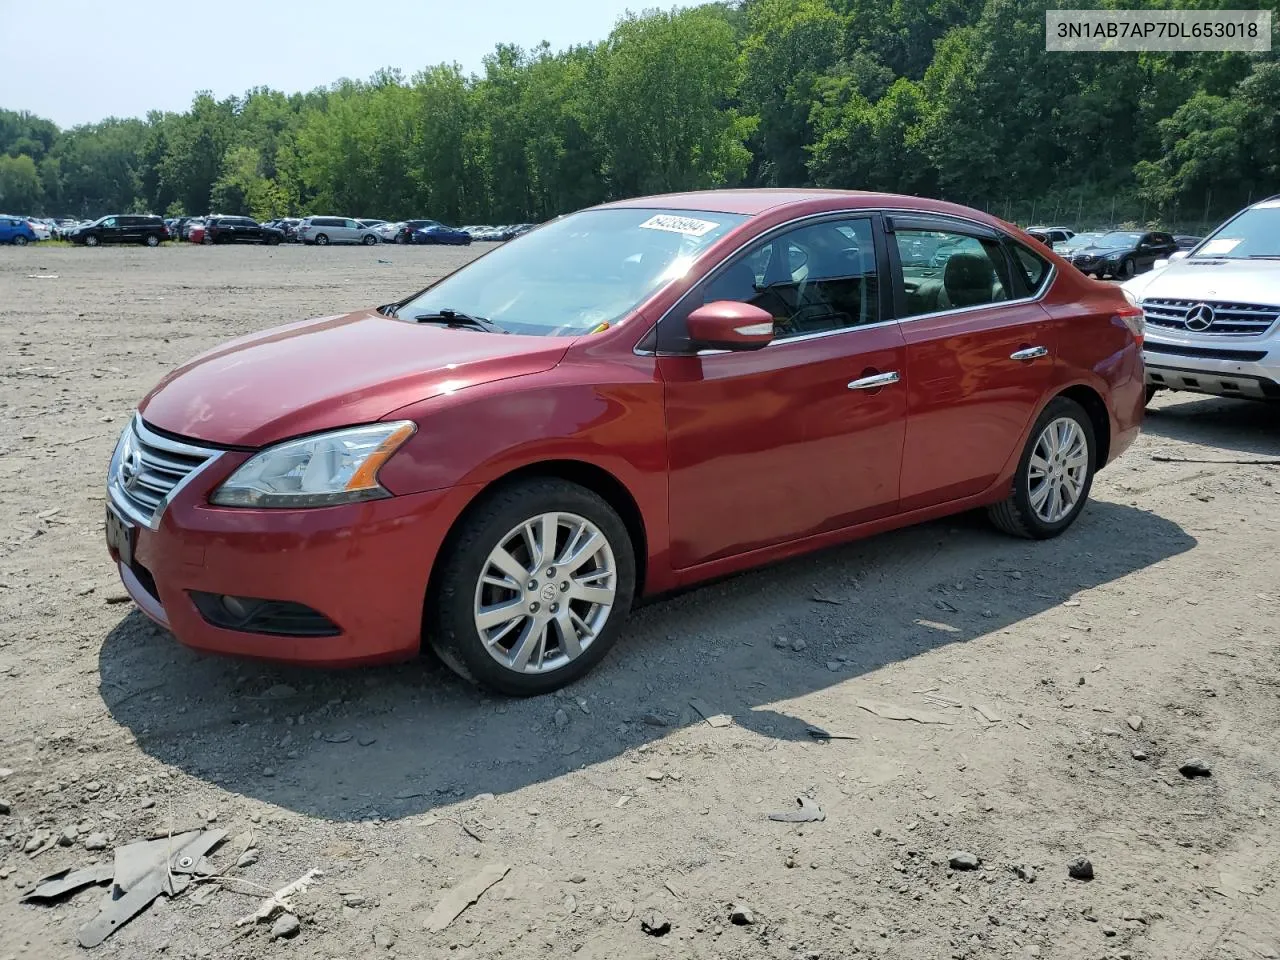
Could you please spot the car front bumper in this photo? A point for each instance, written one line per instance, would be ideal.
(1248, 368)
(362, 567)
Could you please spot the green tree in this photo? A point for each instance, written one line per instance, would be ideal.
(20, 189)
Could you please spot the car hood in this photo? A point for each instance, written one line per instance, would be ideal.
(332, 372)
(1201, 278)
(1100, 251)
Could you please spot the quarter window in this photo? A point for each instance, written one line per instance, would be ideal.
(1034, 269)
(812, 280)
(949, 271)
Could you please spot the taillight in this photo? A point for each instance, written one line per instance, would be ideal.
(1132, 317)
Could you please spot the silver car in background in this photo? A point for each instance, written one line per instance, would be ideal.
(323, 231)
(1213, 313)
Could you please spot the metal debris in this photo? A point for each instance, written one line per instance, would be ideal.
(809, 812)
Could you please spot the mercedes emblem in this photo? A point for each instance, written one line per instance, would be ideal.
(1199, 318)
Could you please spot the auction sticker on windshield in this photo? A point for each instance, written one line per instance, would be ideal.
(688, 226)
(1218, 248)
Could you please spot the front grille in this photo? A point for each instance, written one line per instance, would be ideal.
(1209, 353)
(147, 468)
(1228, 318)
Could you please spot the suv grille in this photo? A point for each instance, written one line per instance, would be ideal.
(147, 468)
(1222, 317)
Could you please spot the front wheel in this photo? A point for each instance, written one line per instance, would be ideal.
(322, 240)
(369, 240)
(20, 241)
(1127, 269)
(1152, 390)
(1054, 475)
(152, 240)
(533, 588)
(90, 241)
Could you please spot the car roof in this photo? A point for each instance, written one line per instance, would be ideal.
(752, 202)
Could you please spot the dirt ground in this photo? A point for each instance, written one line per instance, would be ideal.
(1031, 663)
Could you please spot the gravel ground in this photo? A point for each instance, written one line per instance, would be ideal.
(615, 804)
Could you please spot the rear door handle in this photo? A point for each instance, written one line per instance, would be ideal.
(875, 381)
(1030, 353)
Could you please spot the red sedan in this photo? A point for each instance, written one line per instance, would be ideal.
(627, 400)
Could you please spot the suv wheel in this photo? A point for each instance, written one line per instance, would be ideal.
(152, 240)
(1126, 268)
(533, 588)
(91, 241)
(1054, 475)
(369, 240)
(322, 239)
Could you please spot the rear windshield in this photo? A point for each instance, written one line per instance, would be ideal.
(574, 274)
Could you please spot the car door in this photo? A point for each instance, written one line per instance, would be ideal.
(350, 231)
(252, 231)
(980, 352)
(109, 231)
(8, 229)
(800, 437)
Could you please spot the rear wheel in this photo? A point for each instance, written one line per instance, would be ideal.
(152, 240)
(533, 588)
(206, 239)
(1054, 475)
(322, 240)
(91, 241)
(20, 241)
(369, 240)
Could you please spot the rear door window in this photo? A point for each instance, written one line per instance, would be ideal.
(944, 270)
(1031, 269)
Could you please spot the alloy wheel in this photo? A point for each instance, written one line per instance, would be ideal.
(545, 592)
(1057, 470)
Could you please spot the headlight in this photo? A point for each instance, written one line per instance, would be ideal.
(1130, 296)
(318, 471)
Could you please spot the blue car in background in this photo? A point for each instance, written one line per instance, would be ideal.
(16, 230)
(439, 233)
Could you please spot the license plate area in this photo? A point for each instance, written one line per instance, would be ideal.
(121, 536)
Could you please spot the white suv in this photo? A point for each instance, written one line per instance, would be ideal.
(1213, 314)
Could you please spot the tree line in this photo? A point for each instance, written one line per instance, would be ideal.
(948, 98)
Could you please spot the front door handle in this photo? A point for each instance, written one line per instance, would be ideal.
(875, 381)
(1030, 353)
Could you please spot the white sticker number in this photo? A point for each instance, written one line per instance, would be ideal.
(688, 226)
(1218, 247)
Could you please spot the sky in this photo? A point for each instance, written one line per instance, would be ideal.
(84, 60)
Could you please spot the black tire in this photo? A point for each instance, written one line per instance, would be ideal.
(369, 240)
(400, 238)
(273, 241)
(322, 239)
(91, 241)
(1152, 390)
(207, 240)
(1127, 269)
(1015, 515)
(19, 241)
(449, 620)
(151, 240)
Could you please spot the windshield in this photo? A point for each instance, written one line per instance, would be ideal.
(574, 274)
(1119, 240)
(1079, 240)
(1255, 233)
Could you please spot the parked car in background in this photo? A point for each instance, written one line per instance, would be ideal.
(1213, 317)
(194, 231)
(387, 231)
(16, 230)
(371, 224)
(323, 231)
(1123, 253)
(1184, 242)
(64, 226)
(1077, 242)
(406, 228)
(439, 233)
(141, 228)
(40, 228)
(644, 425)
(288, 226)
(1052, 235)
(240, 230)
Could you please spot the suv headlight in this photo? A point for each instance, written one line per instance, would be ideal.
(340, 466)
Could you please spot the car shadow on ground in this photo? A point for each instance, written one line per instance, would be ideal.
(1246, 426)
(398, 741)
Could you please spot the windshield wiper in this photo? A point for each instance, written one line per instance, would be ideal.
(389, 309)
(1264, 256)
(456, 318)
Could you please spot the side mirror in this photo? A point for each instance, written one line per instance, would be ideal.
(730, 325)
